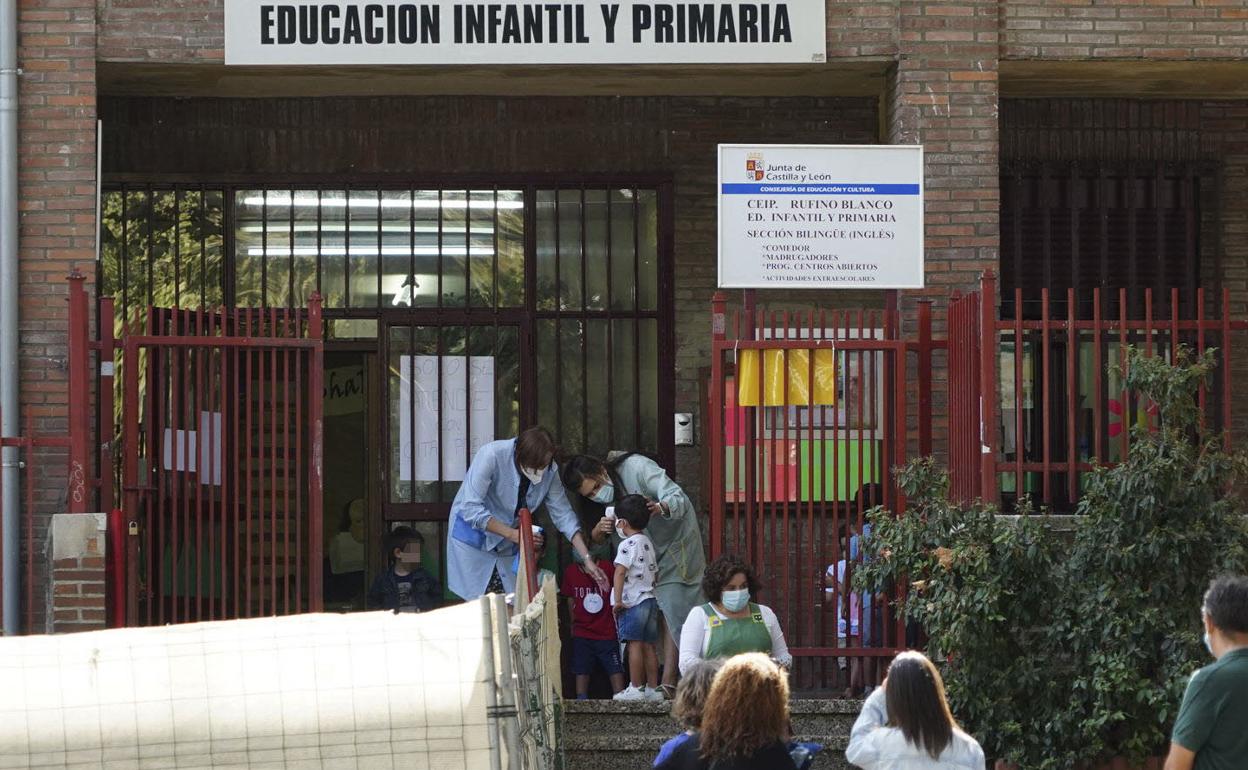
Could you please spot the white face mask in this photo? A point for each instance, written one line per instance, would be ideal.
(1209, 644)
(534, 475)
(735, 601)
(604, 495)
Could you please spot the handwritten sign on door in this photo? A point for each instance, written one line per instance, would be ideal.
(451, 429)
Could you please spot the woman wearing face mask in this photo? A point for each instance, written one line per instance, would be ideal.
(729, 623)
(504, 477)
(673, 528)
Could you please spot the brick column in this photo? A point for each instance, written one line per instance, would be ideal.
(944, 95)
(56, 191)
(77, 546)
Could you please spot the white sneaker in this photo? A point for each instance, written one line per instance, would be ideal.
(630, 693)
(653, 693)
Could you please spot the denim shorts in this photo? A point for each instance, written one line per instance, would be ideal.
(639, 623)
(587, 652)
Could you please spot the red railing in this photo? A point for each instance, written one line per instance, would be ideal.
(221, 464)
(79, 481)
(528, 552)
(807, 412)
(1056, 372)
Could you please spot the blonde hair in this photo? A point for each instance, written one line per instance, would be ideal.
(747, 708)
(692, 691)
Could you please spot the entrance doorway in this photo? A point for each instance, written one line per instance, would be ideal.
(454, 316)
(351, 533)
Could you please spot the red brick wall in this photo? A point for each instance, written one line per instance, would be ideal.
(56, 188)
(78, 602)
(945, 98)
(1149, 29)
(162, 30)
(858, 28)
(185, 31)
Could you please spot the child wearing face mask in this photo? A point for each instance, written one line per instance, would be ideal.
(632, 597)
(405, 586)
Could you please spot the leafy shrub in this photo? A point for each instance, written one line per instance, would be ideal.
(1057, 653)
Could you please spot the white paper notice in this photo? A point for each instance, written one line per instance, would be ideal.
(467, 407)
(182, 450)
(820, 216)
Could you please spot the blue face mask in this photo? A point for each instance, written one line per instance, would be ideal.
(735, 601)
(604, 495)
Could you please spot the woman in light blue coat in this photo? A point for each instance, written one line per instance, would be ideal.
(483, 537)
(673, 529)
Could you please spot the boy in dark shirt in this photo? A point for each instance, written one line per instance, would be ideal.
(405, 586)
(593, 628)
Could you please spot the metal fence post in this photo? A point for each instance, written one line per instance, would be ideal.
(988, 395)
(79, 397)
(715, 421)
(316, 430)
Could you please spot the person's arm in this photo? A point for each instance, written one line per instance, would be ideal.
(1180, 758)
(567, 522)
(477, 482)
(862, 749)
(602, 530)
(779, 648)
(692, 639)
(658, 486)
(377, 593)
(1192, 726)
(617, 588)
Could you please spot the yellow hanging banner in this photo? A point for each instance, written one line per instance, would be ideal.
(773, 377)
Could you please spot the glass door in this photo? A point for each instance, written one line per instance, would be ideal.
(450, 389)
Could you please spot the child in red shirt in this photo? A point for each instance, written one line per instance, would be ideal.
(593, 628)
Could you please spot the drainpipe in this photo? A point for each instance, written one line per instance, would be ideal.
(9, 528)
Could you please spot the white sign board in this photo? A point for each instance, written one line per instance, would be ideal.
(467, 404)
(450, 32)
(820, 216)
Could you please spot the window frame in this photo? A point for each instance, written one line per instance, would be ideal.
(527, 316)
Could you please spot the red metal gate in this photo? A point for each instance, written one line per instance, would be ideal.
(808, 411)
(221, 467)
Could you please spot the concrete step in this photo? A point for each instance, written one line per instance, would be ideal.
(610, 735)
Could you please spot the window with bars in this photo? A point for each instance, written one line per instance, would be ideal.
(1081, 226)
(565, 290)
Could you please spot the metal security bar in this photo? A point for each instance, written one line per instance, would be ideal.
(1084, 226)
(1059, 381)
(222, 464)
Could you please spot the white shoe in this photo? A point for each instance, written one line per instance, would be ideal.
(653, 694)
(630, 693)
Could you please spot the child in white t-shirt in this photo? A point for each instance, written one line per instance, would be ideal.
(636, 610)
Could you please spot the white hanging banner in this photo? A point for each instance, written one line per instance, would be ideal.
(467, 406)
(820, 216)
(449, 32)
(183, 451)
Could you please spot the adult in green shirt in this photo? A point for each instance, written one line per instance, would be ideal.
(1211, 732)
(594, 485)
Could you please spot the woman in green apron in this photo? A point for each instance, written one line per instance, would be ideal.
(729, 623)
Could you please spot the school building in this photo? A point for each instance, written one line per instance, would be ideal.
(346, 243)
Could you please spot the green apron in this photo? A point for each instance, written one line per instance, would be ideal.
(733, 636)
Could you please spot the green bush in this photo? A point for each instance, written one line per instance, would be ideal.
(1059, 652)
